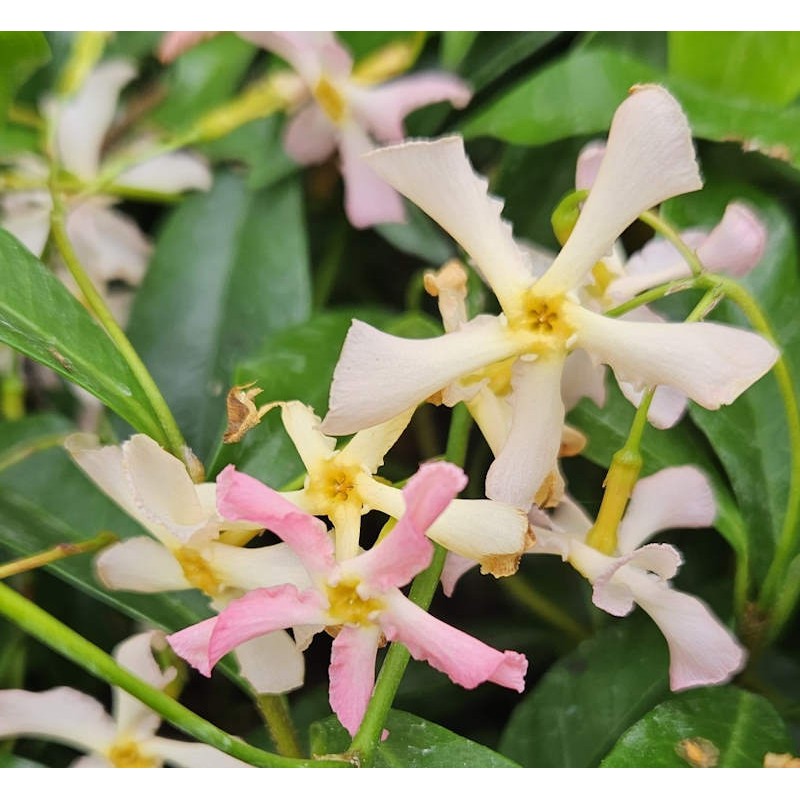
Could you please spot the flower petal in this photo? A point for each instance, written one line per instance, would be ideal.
(384, 108)
(190, 754)
(582, 378)
(464, 659)
(368, 447)
(310, 137)
(271, 664)
(241, 497)
(531, 450)
(249, 568)
(352, 673)
(309, 52)
(649, 158)
(83, 120)
(170, 173)
(438, 177)
(140, 565)
(368, 200)
(175, 43)
(191, 644)
(455, 566)
(666, 408)
(588, 164)
(676, 497)
(62, 714)
(492, 414)
(379, 376)
(736, 244)
(711, 363)
(26, 215)
(303, 427)
(91, 762)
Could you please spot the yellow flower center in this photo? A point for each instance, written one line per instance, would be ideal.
(198, 571)
(126, 754)
(331, 484)
(541, 320)
(347, 606)
(330, 99)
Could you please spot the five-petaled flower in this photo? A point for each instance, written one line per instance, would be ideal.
(360, 596)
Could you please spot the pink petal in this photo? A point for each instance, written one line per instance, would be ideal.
(310, 137)
(406, 551)
(676, 497)
(649, 158)
(191, 644)
(736, 244)
(260, 612)
(438, 177)
(175, 43)
(454, 567)
(378, 376)
(464, 659)
(240, 497)
(711, 363)
(531, 450)
(352, 673)
(310, 52)
(588, 164)
(368, 199)
(384, 108)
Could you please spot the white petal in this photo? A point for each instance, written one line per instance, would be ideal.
(26, 215)
(91, 762)
(570, 518)
(83, 120)
(303, 427)
(109, 245)
(711, 363)
(582, 378)
(677, 497)
(588, 164)
(170, 173)
(62, 714)
(310, 137)
(531, 449)
(666, 408)
(437, 176)
(368, 447)
(134, 719)
(249, 568)
(140, 565)
(649, 158)
(271, 664)
(736, 244)
(492, 415)
(189, 754)
(379, 376)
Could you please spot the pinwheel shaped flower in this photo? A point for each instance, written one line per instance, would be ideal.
(360, 596)
(125, 739)
(192, 546)
(649, 158)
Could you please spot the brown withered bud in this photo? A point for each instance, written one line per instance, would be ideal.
(242, 412)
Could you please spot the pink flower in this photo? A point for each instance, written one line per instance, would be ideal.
(348, 115)
(360, 595)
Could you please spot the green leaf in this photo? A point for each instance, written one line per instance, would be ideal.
(758, 65)
(607, 429)
(578, 710)
(362, 43)
(295, 364)
(21, 438)
(9, 761)
(741, 726)
(20, 53)
(202, 79)
(230, 267)
(41, 319)
(576, 95)
(412, 742)
(418, 236)
(454, 46)
(757, 464)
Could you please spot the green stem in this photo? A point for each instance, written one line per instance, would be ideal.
(62, 639)
(651, 295)
(274, 709)
(27, 448)
(422, 591)
(173, 439)
(56, 553)
(652, 219)
(521, 590)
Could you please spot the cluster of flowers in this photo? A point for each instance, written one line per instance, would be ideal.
(515, 371)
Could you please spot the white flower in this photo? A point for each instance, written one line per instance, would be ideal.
(192, 546)
(126, 738)
(649, 159)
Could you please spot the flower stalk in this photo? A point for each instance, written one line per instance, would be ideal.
(64, 550)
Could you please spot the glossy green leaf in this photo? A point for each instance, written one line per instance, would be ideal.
(295, 364)
(574, 96)
(362, 43)
(759, 65)
(454, 46)
(230, 267)
(756, 463)
(20, 53)
(412, 742)
(607, 429)
(9, 761)
(742, 727)
(202, 79)
(41, 319)
(576, 713)
(418, 236)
